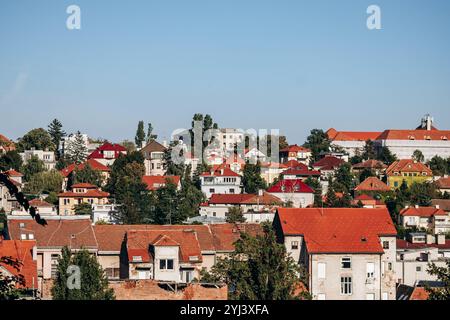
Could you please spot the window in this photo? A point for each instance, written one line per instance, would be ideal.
(418, 269)
(396, 184)
(211, 190)
(385, 296)
(346, 263)
(321, 296)
(346, 285)
(166, 264)
(321, 270)
(385, 244)
(294, 245)
(390, 266)
(370, 268)
(112, 273)
(370, 296)
(23, 236)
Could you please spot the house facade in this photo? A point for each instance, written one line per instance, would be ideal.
(297, 153)
(154, 158)
(80, 193)
(349, 253)
(407, 170)
(294, 192)
(48, 157)
(220, 181)
(107, 153)
(432, 219)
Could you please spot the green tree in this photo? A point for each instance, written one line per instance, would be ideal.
(366, 173)
(331, 200)
(369, 151)
(202, 167)
(129, 145)
(52, 198)
(443, 275)
(44, 182)
(140, 135)
(86, 175)
(55, 129)
(172, 168)
(235, 215)
(314, 183)
(76, 151)
(422, 193)
(10, 160)
(252, 179)
(8, 284)
(93, 281)
(418, 156)
(317, 142)
(32, 167)
(83, 208)
(258, 269)
(39, 139)
(189, 196)
(385, 155)
(439, 166)
(345, 177)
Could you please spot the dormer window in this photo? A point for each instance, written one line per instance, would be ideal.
(166, 264)
(137, 259)
(411, 138)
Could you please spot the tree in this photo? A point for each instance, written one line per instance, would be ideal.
(8, 284)
(129, 145)
(150, 136)
(83, 208)
(32, 167)
(258, 269)
(439, 166)
(443, 275)
(10, 160)
(56, 132)
(39, 139)
(344, 176)
(189, 196)
(140, 135)
(418, 156)
(93, 283)
(314, 183)
(44, 182)
(167, 205)
(422, 193)
(331, 198)
(172, 168)
(201, 167)
(317, 142)
(251, 179)
(76, 151)
(235, 215)
(366, 173)
(369, 150)
(385, 155)
(86, 175)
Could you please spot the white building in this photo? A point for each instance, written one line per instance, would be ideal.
(349, 253)
(230, 137)
(48, 157)
(104, 213)
(294, 192)
(154, 158)
(432, 219)
(415, 254)
(222, 181)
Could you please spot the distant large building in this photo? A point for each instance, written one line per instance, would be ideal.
(426, 138)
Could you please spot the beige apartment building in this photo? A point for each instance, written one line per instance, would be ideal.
(80, 193)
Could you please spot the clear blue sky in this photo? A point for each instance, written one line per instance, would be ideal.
(293, 65)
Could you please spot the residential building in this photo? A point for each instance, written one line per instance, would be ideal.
(154, 158)
(219, 204)
(443, 184)
(222, 181)
(415, 254)
(105, 213)
(155, 182)
(297, 153)
(377, 167)
(368, 201)
(6, 144)
(23, 251)
(443, 204)
(94, 164)
(349, 253)
(372, 185)
(270, 171)
(80, 193)
(107, 153)
(67, 140)
(294, 192)
(426, 138)
(301, 172)
(46, 156)
(407, 170)
(75, 232)
(253, 155)
(234, 162)
(432, 219)
(42, 207)
(327, 165)
(229, 138)
(7, 201)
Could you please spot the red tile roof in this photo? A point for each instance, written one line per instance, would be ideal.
(370, 164)
(99, 152)
(328, 163)
(419, 293)
(266, 198)
(436, 135)
(295, 148)
(156, 182)
(222, 172)
(364, 197)
(6, 144)
(13, 173)
(372, 184)
(91, 192)
(94, 164)
(290, 186)
(338, 230)
(226, 234)
(38, 203)
(57, 233)
(84, 185)
(408, 165)
(23, 252)
(352, 135)
(403, 244)
(275, 165)
(293, 164)
(300, 172)
(443, 183)
(423, 212)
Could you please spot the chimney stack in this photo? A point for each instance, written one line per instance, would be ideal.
(430, 239)
(440, 239)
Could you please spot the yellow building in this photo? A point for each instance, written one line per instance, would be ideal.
(80, 193)
(408, 170)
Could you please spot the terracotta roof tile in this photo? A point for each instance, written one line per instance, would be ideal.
(290, 186)
(372, 184)
(408, 165)
(423, 212)
(156, 182)
(94, 164)
(23, 252)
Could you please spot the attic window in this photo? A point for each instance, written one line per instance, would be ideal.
(412, 138)
(137, 259)
(22, 225)
(427, 138)
(72, 236)
(363, 239)
(193, 258)
(444, 138)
